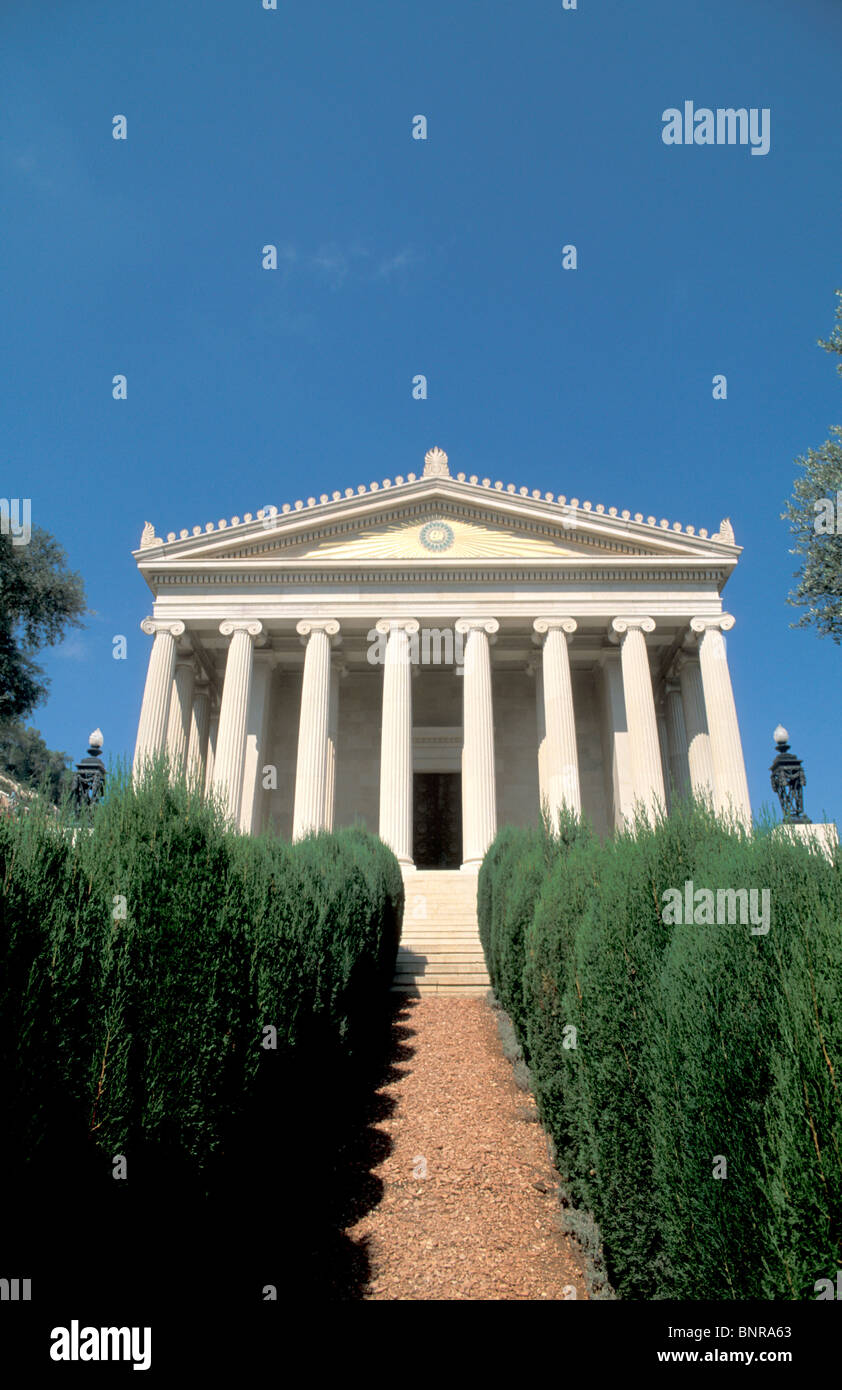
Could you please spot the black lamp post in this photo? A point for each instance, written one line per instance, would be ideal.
(89, 777)
(788, 780)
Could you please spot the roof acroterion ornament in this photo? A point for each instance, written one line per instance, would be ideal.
(435, 463)
(148, 536)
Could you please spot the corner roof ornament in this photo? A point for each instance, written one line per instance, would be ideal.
(148, 536)
(726, 531)
(435, 463)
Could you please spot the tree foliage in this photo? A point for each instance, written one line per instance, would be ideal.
(819, 580)
(39, 599)
(25, 757)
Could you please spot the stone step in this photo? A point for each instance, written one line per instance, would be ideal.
(458, 892)
(434, 931)
(450, 890)
(441, 943)
(446, 942)
(452, 983)
(442, 875)
(440, 952)
(419, 930)
(465, 887)
(442, 916)
(414, 901)
(467, 975)
(448, 911)
(462, 990)
(406, 961)
(440, 912)
(435, 924)
(440, 920)
(423, 944)
(464, 890)
(443, 967)
(439, 895)
(461, 986)
(440, 948)
(438, 987)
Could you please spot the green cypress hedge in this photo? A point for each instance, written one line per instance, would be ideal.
(142, 961)
(510, 878)
(689, 1074)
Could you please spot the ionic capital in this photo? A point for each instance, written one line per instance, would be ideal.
(308, 626)
(252, 626)
(620, 626)
(152, 626)
(407, 625)
(723, 621)
(542, 626)
(487, 625)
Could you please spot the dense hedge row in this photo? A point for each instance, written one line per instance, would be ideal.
(141, 965)
(690, 1075)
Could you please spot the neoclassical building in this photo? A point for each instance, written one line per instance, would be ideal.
(436, 656)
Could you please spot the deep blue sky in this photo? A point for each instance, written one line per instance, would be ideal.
(400, 256)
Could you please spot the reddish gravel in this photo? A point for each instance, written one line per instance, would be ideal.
(480, 1225)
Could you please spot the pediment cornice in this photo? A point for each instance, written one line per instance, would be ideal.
(580, 532)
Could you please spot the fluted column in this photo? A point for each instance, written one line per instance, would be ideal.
(210, 759)
(640, 712)
(338, 669)
(619, 773)
(479, 796)
(396, 737)
(197, 743)
(251, 801)
(181, 703)
(154, 712)
(311, 772)
(677, 747)
(534, 668)
(663, 744)
(233, 713)
(699, 760)
(729, 774)
(560, 764)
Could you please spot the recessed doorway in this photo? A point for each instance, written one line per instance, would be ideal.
(437, 820)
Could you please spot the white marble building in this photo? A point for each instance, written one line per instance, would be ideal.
(436, 656)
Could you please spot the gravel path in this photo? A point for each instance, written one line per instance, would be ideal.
(480, 1224)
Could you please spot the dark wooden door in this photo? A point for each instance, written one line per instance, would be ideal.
(437, 820)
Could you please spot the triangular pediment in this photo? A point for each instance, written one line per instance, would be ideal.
(441, 536)
(433, 521)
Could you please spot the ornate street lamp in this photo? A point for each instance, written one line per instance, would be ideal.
(788, 780)
(89, 777)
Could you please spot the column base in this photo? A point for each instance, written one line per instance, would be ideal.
(470, 866)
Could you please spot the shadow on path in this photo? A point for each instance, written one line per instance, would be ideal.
(284, 1195)
(340, 1265)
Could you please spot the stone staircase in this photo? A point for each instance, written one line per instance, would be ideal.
(440, 951)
